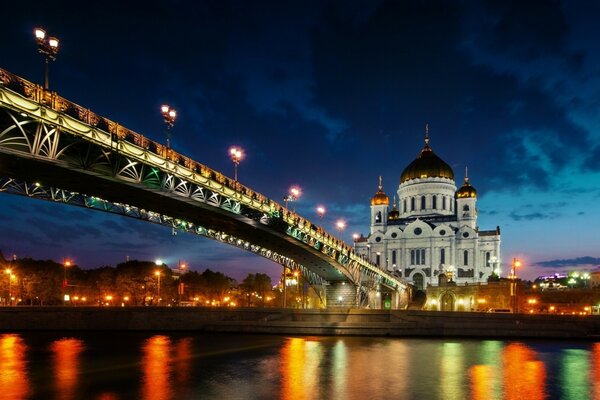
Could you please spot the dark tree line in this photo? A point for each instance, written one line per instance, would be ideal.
(42, 282)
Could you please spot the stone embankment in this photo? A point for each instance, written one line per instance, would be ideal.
(408, 323)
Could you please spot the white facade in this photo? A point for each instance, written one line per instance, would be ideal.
(433, 230)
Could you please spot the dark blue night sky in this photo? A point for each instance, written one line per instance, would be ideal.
(329, 95)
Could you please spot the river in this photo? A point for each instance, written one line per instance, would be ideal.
(149, 366)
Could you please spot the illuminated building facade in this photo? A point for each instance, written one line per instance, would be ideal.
(432, 232)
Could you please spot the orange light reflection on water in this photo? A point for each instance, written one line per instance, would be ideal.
(183, 360)
(524, 377)
(292, 370)
(482, 378)
(14, 382)
(156, 368)
(66, 354)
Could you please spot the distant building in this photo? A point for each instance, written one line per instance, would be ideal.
(433, 228)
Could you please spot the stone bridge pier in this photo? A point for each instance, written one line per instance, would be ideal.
(344, 295)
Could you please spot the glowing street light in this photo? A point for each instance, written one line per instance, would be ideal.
(236, 154)
(180, 268)
(340, 225)
(169, 114)
(157, 273)
(355, 237)
(513, 276)
(66, 264)
(48, 47)
(321, 212)
(8, 272)
(294, 194)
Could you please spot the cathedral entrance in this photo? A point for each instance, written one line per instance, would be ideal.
(418, 280)
(447, 302)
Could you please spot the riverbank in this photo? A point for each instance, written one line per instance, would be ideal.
(407, 323)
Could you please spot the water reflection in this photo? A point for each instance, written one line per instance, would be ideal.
(452, 371)
(486, 380)
(260, 367)
(14, 382)
(156, 368)
(66, 354)
(292, 369)
(524, 376)
(574, 374)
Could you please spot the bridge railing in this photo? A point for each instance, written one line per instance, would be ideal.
(58, 103)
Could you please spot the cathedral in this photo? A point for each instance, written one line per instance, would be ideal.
(431, 234)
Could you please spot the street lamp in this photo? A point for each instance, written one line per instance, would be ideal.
(295, 193)
(355, 237)
(180, 269)
(157, 273)
(236, 154)
(341, 225)
(321, 213)
(513, 276)
(48, 47)
(9, 273)
(169, 114)
(66, 264)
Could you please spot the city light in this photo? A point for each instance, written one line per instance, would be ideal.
(49, 48)
(236, 154)
(340, 225)
(169, 115)
(294, 194)
(321, 213)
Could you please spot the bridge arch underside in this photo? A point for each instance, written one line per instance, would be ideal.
(36, 158)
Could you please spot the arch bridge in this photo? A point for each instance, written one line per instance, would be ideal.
(55, 150)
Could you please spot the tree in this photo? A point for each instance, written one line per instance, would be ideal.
(256, 286)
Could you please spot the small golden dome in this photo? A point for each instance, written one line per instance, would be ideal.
(380, 198)
(466, 190)
(427, 165)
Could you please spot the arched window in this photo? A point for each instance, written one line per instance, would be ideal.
(465, 207)
(434, 202)
(443, 202)
(378, 217)
(451, 205)
(405, 209)
(418, 280)
(393, 257)
(422, 202)
(487, 258)
(442, 256)
(412, 204)
(466, 257)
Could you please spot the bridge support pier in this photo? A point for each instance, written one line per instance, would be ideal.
(341, 295)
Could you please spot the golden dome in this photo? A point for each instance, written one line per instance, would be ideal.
(466, 190)
(427, 165)
(380, 198)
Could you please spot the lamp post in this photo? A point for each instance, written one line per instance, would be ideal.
(355, 237)
(294, 195)
(513, 275)
(340, 225)
(321, 213)
(180, 269)
(66, 264)
(169, 114)
(157, 273)
(9, 273)
(48, 47)
(236, 154)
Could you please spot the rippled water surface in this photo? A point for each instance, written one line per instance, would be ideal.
(227, 366)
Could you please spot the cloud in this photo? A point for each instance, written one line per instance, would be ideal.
(570, 262)
(532, 216)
